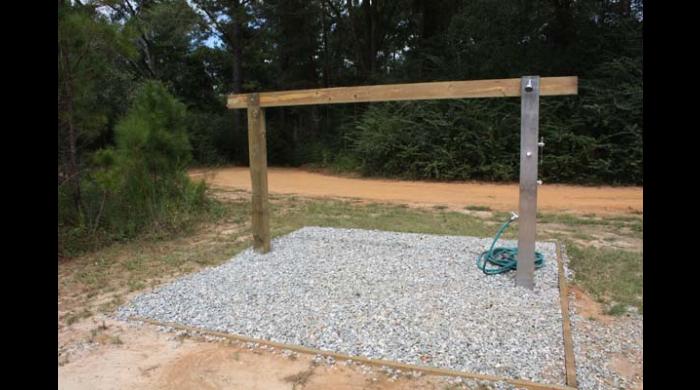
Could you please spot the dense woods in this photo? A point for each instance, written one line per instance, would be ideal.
(142, 85)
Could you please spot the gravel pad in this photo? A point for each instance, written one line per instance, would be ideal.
(413, 298)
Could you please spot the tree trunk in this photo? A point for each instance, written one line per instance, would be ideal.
(73, 159)
(73, 174)
(373, 47)
(236, 49)
(324, 39)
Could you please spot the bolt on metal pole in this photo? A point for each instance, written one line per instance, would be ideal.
(529, 129)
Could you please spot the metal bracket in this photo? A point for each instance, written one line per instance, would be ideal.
(529, 87)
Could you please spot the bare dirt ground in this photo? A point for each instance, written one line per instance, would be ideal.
(502, 197)
(107, 354)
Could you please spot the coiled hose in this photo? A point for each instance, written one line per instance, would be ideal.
(503, 259)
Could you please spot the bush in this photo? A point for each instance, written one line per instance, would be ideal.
(142, 181)
(595, 137)
(451, 140)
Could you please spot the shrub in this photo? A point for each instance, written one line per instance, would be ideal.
(595, 137)
(142, 181)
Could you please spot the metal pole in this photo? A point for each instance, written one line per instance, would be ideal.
(529, 128)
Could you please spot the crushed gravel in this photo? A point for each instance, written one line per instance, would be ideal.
(597, 345)
(412, 298)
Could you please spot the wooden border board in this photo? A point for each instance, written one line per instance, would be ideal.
(375, 362)
(569, 360)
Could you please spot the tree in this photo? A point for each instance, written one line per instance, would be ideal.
(142, 179)
(229, 20)
(90, 54)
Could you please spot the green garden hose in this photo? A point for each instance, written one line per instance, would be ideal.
(503, 259)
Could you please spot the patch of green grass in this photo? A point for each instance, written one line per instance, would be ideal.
(478, 208)
(115, 302)
(567, 219)
(606, 273)
(582, 236)
(134, 263)
(75, 317)
(612, 275)
(135, 284)
(499, 216)
(330, 213)
(590, 219)
(617, 309)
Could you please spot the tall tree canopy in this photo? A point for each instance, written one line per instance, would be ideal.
(201, 50)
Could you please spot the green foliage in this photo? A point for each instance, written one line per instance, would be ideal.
(595, 137)
(142, 181)
(92, 85)
(121, 173)
(442, 140)
(212, 137)
(193, 48)
(152, 135)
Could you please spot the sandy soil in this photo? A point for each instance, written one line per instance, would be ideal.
(503, 197)
(129, 356)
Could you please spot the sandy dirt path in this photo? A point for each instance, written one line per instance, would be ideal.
(503, 197)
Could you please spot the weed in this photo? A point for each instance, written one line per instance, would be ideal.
(608, 273)
(617, 309)
(73, 318)
(133, 265)
(478, 208)
(300, 378)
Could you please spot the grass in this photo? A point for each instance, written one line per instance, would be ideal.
(610, 275)
(73, 318)
(478, 208)
(617, 309)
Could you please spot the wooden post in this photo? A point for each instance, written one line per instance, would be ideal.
(257, 147)
(529, 128)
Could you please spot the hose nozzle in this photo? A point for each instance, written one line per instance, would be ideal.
(513, 216)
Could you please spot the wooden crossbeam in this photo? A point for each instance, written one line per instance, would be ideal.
(549, 86)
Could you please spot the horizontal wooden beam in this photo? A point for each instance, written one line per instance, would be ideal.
(549, 86)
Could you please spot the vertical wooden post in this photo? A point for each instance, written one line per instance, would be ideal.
(257, 148)
(529, 128)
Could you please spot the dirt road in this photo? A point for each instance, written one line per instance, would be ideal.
(503, 197)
